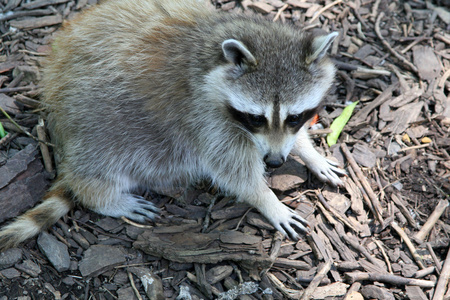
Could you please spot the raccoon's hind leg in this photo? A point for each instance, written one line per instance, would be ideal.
(114, 200)
(325, 169)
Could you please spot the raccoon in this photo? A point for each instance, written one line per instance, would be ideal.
(162, 94)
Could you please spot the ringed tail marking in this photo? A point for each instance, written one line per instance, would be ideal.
(55, 205)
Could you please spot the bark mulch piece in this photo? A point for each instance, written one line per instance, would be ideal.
(384, 235)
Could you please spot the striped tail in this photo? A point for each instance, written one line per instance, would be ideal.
(55, 205)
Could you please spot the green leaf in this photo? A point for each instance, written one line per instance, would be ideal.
(339, 123)
(3, 133)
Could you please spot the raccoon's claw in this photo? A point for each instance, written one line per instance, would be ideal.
(133, 207)
(288, 222)
(327, 170)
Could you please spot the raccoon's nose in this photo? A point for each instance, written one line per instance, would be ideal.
(273, 160)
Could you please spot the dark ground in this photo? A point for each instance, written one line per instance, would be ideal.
(392, 56)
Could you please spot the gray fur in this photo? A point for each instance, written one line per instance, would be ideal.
(137, 94)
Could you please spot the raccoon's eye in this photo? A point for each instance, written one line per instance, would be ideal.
(256, 120)
(294, 120)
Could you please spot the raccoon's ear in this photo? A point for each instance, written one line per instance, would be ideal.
(320, 45)
(236, 53)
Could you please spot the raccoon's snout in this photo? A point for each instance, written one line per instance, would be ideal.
(274, 160)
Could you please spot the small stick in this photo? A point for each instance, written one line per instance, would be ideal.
(415, 147)
(323, 270)
(8, 138)
(40, 129)
(390, 49)
(376, 204)
(277, 16)
(386, 258)
(409, 244)
(404, 210)
(135, 290)
(415, 42)
(434, 217)
(388, 278)
(18, 89)
(425, 272)
(23, 130)
(437, 263)
(324, 9)
(361, 189)
(443, 279)
(336, 213)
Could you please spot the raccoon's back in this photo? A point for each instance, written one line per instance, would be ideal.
(100, 71)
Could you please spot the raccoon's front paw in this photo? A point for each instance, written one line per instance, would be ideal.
(287, 221)
(326, 170)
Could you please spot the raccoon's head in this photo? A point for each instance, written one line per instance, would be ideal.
(270, 90)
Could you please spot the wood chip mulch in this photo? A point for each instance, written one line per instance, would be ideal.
(385, 235)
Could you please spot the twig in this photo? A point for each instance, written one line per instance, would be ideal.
(434, 217)
(8, 138)
(375, 9)
(404, 210)
(277, 16)
(443, 279)
(22, 130)
(437, 262)
(208, 214)
(33, 53)
(415, 42)
(409, 244)
(324, 9)
(18, 89)
(386, 258)
(415, 147)
(40, 129)
(376, 204)
(386, 44)
(135, 290)
(388, 278)
(336, 213)
(323, 270)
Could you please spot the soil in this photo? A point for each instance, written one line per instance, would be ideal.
(384, 235)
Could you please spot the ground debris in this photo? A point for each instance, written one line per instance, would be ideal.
(384, 235)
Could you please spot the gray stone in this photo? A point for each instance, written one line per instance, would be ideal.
(10, 273)
(101, 257)
(126, 294)
(56, 252)
(10, 257)
(29, 267)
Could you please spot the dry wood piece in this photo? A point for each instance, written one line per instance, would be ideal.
(376, 204)
(388, 278)
(434, 217)
(408, 243)
(40, 129)
(41, 3)
(443, 279)
(32, 23)
(191, 247)
(362, 114)
(322, 271)
(409, 65)
(401, 206)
